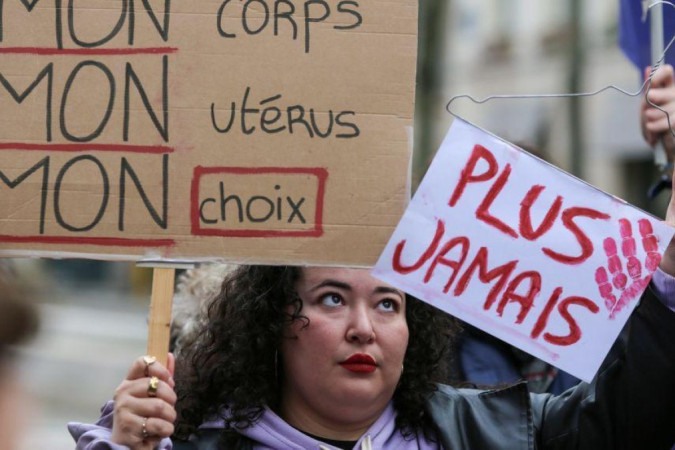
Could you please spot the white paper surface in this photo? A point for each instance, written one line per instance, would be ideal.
(475, 242)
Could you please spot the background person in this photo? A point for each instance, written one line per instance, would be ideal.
(18, 323)
(486, 361)
(657, 117)
(195, 290)
(657, 122)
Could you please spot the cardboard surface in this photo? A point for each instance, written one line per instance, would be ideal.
(524, 251)
(251, 131)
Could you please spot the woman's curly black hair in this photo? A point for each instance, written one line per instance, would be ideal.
(233, 362)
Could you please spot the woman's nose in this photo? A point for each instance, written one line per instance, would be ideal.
(360, 327)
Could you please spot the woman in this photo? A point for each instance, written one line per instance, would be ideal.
(342, 335)
(325, 358)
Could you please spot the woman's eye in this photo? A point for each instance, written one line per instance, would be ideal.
(331, 300)
(388, 305)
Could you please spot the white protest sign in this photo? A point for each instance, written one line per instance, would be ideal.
(524, 251)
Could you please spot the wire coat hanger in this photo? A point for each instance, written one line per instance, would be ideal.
(664, 181)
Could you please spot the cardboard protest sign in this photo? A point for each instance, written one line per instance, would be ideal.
(524, 251)
(248, 130)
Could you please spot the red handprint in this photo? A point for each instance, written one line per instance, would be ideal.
(630, 286)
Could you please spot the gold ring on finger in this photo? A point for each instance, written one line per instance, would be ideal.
(144, 429)
(153, 385)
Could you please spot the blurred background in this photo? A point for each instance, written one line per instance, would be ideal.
(94, 313)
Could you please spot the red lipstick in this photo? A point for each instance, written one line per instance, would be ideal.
(360, 363)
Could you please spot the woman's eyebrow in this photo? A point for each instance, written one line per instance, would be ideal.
(388, 290)
(332, 283)
(347, 287)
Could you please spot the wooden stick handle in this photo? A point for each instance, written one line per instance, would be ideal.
(159, 326)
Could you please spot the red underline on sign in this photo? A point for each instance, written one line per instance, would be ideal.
(320, 173)
(123, 148)
(102, 241)
(48, 51)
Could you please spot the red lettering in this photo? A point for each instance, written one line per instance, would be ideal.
(501, 273)
(542, 321)
(575, 332)
(396, 261)
(525, 224)
(482, 212)
(467, 176)
(585, 243)
(454, 265)
(526, 301)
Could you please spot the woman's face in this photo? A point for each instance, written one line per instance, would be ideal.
(346, 363)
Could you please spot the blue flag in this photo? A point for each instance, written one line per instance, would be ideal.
(634, 34)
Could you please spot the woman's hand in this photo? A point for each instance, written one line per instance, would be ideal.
(655, 126)
(144, 405)
(655, 123)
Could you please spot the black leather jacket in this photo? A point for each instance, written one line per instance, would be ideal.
(630, 404)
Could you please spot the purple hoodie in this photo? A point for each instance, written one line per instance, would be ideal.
(269, 433)
(97, 436)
